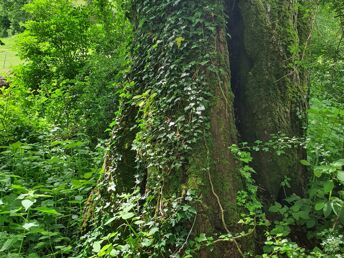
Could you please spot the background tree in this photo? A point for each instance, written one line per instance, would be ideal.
(70, 59)
(12, 17)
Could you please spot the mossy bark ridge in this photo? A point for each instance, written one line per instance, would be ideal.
(270, 91)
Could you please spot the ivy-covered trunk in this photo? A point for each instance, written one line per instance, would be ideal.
(170, 177)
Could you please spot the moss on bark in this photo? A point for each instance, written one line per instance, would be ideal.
(270, 91)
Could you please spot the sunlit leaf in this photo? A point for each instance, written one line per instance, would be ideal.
(27, 204)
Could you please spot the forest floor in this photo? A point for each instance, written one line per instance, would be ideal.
(8, 55)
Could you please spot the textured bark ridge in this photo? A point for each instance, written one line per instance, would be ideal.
(213, 170)
(270, 92)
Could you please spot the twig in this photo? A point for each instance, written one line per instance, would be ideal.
(187, 238)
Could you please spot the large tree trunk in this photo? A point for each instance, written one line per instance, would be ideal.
(193, 107)
(181, 116)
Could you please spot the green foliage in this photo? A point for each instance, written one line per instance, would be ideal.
(18, 116)
(170, 61)
(71, 61)
(143, 230)
(320, 214)
(58, 104)
(43, 187)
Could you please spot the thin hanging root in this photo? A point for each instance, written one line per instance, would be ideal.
(223, 214)
(219, 201)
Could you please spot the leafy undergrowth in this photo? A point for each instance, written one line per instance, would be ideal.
(43, 188)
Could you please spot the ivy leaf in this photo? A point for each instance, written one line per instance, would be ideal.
(147, 242)
(201, 238)
(27, 204)
(153, 231)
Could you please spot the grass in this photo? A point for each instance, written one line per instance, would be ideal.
(8, 56)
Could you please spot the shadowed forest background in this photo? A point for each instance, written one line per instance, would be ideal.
(146, 128)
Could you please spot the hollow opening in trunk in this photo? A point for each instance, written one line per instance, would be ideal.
(240, 62)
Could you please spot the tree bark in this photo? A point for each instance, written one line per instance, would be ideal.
(270, 89)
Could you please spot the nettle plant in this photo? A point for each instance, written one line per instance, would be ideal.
(143, 230)
(42, 189)
(319, 215)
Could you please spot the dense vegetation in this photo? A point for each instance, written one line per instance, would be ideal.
(80, 63)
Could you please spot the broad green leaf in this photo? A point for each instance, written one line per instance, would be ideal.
(338, 164)
(8, 244)
(96, 246)
(79, 197)
(27, 204)
(340, 176)
(310, 223)
(328, 186)
(318, 172)
(127, 215)
(105, 250)
(88, 175)
(47, 210)
(319, 206)
(305, 162)
(327, 210)
(110, 220)
(29, 225)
